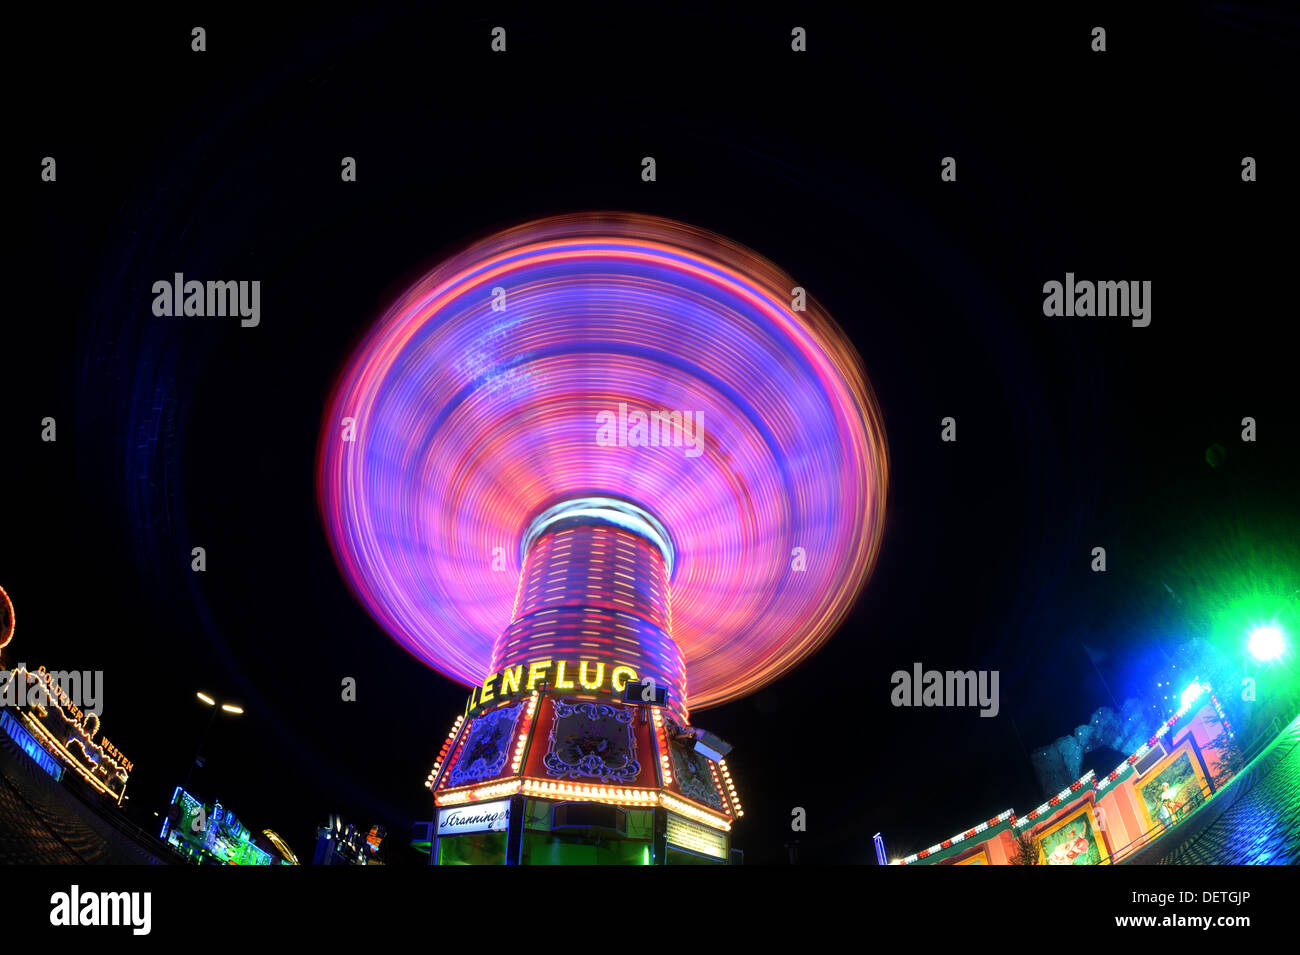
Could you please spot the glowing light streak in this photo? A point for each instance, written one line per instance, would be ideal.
(466, 423)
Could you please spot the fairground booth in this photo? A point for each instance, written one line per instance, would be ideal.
(1104, 820)
(44, 714)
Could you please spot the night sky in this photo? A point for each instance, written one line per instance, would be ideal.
(1072, 432)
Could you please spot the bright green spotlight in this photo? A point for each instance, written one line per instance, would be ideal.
(1266, 642)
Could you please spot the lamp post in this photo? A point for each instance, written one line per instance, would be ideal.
(208, 701)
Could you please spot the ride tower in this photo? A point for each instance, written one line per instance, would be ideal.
(603, 470)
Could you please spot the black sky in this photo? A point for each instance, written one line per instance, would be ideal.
(1072, 432)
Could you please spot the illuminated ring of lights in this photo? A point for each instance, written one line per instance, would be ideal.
(472, 406)
(602, 510)
(7, 621)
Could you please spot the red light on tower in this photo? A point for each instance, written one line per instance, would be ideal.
(6, 619)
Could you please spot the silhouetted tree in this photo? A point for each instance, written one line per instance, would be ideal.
(1230, 756)
(1026, 852)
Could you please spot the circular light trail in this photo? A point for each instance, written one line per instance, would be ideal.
(509, 380)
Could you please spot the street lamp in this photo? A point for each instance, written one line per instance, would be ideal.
(1266, 642)
(208, 701)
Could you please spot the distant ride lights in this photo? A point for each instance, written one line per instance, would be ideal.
(602, 468)
(54, 716)
(7, 621)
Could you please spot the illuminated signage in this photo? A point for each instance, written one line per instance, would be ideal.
(48, 709)
(695, 838)
(27, 743)
(480, 817)
(577, 676)
(44, 700)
